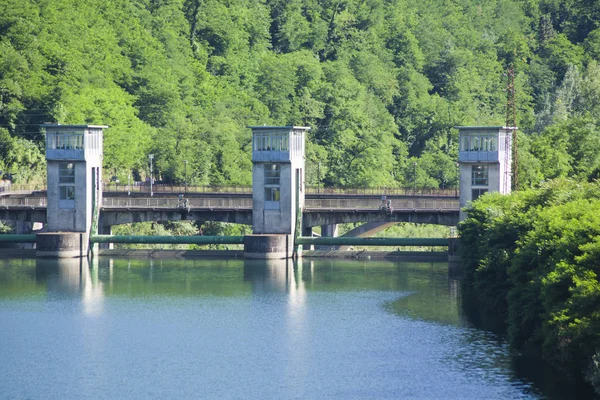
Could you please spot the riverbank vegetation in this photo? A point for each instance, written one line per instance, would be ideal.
(181, 228)
(532, 259)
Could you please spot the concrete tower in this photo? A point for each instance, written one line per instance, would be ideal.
(277, 179)
(485, 161)
(74, 174)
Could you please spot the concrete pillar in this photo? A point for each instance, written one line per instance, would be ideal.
(328, 231)
(453, 249)
(61, 244)
(277, 189)
(268, 246)
(74, 176)
(307, 231)
(23, 228)
(105, 230)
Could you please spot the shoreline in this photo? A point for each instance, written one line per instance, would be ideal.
(423, 256)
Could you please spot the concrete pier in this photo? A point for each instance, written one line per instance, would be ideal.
(268, 247)
(61, 244)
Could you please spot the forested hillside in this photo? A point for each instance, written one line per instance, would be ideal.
(381, 82)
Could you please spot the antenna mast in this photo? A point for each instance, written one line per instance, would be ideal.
(511, 124)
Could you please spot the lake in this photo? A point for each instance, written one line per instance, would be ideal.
(240, 329)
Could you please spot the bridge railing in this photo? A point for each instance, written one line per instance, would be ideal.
(380, 191)
(396, 204)
(23, 201)
(166, 202)
(244, 203)
(8, 187)
(167, 188)
(141, 187)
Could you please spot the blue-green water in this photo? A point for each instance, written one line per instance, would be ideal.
(235, 329)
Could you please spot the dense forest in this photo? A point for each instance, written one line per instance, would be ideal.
(382, 83)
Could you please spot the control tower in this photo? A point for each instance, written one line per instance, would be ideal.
(277, 181)
(483, 162)
(74, 174)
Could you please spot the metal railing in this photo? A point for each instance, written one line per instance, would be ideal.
(382, 190)
(246, 203)
(23, 201)
(167, 202)
(366, 203)
(178, 189)
(22, 187)
(141, 187)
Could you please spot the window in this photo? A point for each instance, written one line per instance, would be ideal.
(475, 143)
(272, 194)
(65, 141)
(475, 193)
(464, 143)
(272, 174)
(67, 192)
(66, 173)
(272, 186)
(479, 175)
(66, 182)
(270, 141)
(478, 142)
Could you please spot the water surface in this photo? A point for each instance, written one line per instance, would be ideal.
(232, 329)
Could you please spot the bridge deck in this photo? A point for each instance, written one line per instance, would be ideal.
(320, 209)
(242, 201)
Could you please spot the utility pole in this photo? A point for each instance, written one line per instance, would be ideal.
(414, 177)
(319, 178)
(185, 174)
(151, 157)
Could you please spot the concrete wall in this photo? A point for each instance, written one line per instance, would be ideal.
(67, 219)
(79, 218)
(495, 182)
(283, 220)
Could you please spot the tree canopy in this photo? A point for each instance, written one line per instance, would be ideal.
(381, 82)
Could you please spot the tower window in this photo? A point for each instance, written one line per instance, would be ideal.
(272, 174)
(478, 142)
(272, 186)
(66, 183)
(479, 175)
(475, 193)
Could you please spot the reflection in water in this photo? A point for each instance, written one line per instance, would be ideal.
(283, 279)
(276, 329)
(71, 277)
(268, 275)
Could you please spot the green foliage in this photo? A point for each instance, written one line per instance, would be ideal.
(5, 228)
(21, 158)
(381, 82)
(180, 228)
(532, 258)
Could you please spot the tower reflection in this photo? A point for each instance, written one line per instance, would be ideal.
(71, 278)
